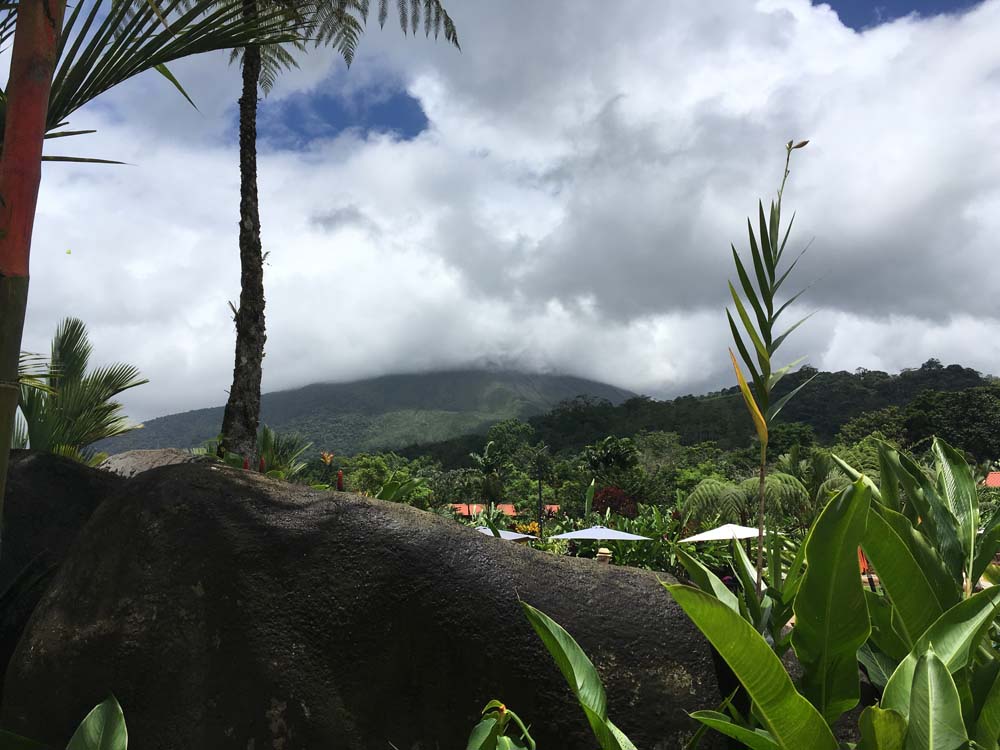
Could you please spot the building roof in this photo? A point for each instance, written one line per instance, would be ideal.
(992, 479)
(471, 509)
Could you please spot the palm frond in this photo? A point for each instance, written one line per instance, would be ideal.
(104, 44)
(340, 23)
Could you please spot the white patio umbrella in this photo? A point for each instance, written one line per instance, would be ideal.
(601, 532)
(724, 533)
(511, 536)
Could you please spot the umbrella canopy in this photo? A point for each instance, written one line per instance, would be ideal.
(724, 533)
(512, 536)
(600, 532)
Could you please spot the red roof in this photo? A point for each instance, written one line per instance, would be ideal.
(993, 479)
(471, 509)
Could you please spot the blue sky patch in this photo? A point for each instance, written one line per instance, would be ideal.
(294, 121)
(862, 14)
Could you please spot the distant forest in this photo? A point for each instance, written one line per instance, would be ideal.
(957, 403)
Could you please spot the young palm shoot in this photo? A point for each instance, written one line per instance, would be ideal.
(759, 324)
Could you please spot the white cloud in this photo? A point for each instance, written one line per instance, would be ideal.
(570, 207)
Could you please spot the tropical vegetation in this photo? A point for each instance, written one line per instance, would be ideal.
(65, 407)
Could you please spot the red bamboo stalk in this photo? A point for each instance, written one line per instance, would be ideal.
(32, 64)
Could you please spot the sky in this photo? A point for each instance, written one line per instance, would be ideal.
(558, 196)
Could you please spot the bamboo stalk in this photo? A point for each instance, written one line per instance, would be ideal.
(32, 64)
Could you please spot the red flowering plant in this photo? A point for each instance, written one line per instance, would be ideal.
(616, 500)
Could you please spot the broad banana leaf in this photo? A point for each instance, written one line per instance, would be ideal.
(790, 719)
(954, 637)
(881, 730)
(986, 730)
(708, 582)
(755, 739)
(831, 616)
(919, 587)
(957, 487)
(581, 675)
(102, 729)
(935, 710)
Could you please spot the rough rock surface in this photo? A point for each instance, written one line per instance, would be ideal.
(228, 610)
(48, 500)
(130, 463)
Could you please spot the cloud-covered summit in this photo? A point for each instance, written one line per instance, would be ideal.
(569, 205)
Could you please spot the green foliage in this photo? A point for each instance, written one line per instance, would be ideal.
(491, 732)
(104, 44)
(281, 453)
(722, 501)
(102, 729)
(76, 406)
(581, 676)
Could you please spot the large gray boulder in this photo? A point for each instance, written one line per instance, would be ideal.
(228, 610)
(48, 500)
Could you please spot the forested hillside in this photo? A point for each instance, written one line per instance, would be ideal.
(917, 402)
(385, 412)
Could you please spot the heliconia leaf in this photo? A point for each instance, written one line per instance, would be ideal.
(953, 637)
(706, 580)
(854, 475)
(935, 710)
(758, 419)
(579, 672)
(936, 519)
(484, 735)
(890, 483)
(915, 579)
(885, 631)
(790, 719)
(957, 488)
(102, 729)
(987, 547)
(755, 739)
(881, 730)
(831, 616)
(878, 665)
(986, 730)
(747, 575)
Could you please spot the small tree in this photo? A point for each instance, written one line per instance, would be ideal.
(77, 407)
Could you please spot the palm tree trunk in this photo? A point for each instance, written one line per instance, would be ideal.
(242, 415)
(33, 61)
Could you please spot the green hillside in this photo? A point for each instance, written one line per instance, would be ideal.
(830, 401)
(386, 412)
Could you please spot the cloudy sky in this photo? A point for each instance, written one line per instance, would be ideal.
(558, 196)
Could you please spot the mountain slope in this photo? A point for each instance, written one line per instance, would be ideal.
(385, 412)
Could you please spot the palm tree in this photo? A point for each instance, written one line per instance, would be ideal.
(57, 67)
(337, 23)
(77, 407)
